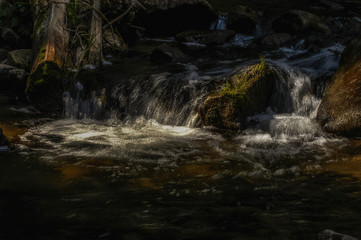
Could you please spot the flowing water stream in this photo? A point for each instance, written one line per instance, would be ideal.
(146, 171)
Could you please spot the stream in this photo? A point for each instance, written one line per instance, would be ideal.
(145, 170)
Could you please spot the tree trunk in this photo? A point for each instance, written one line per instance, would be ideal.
(44, 86)
(96, 35)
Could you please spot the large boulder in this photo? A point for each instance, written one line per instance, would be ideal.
(21, 58)
(168, 17)
(298, 21)
(246, 93)
(208, 38)
(242, 20)
(340, 108)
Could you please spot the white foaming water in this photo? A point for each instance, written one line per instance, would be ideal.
(152, 126)
(220, 23)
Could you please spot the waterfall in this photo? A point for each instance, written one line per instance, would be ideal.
(220, 23)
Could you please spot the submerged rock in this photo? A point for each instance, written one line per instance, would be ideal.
(21, 58)
(246, 93)
(332, 235)
(298, 21)
(340, 108)
(210, 38)
(170, 17)
(167, 53)
(242, 20)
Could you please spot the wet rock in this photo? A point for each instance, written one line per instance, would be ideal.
(21, 58)
(5, 144)
(298, 21)
(167, 17)
(242, 20)
(3, 54)
(275, 40)
(113, 41)
(9, 38)
(209, 38)
(340, 108)
(12, 80)
(332, 235)
(246, 93)
(167, 53)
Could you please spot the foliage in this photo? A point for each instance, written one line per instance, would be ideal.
(16, 14)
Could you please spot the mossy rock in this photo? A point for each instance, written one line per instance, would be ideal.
(44, 87)
(340, 108)
(246, 93)
(243, 20)
(21, 58)
(298, 21)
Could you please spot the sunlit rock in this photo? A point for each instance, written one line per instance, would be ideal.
(340, 109)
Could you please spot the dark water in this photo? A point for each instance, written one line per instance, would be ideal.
(143, 177)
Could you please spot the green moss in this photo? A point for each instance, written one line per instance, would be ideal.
(42, 53)
(240, 83)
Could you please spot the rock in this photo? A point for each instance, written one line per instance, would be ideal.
(275, 40)
(331, 5)
(3, 54)
(298, 21)
(9, 38)
(331, 235)
(246, 93)
(4, 68)
(242, 20)
(113, 41)
(209, 38)
(168, 17)
(12, 80)
(167, 53)
(44, 87)
(5, 144)
(21, 58)
(340, 108)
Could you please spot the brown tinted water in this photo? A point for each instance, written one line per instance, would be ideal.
(86, 179)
